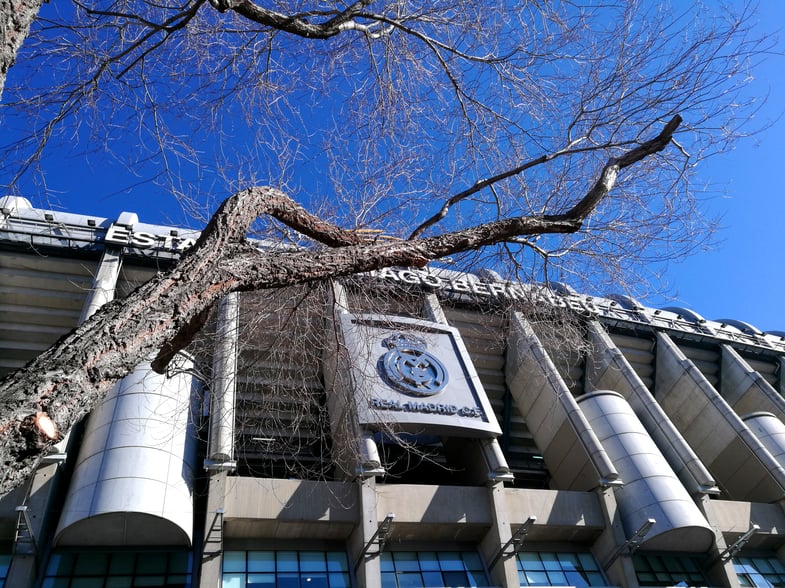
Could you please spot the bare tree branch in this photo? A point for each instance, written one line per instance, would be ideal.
(162, 316)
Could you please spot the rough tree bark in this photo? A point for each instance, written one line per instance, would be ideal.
(16, 16)
(63, 384)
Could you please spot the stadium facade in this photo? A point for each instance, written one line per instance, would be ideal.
(408, 427)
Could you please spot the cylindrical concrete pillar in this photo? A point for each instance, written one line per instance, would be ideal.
(651, 489)
(770, 431)
(133, 479)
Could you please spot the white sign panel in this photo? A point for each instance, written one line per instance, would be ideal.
(416, 375)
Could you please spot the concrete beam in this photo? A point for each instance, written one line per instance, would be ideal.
(572, 452)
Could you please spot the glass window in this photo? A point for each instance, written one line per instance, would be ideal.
(5, 563)
(668, 570)
(759, 571)
(285, 569)
(118, 569)
(421, 569)
(546, 568)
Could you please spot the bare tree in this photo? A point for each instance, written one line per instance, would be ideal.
(489, 134)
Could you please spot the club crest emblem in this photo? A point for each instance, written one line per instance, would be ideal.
(409, 368)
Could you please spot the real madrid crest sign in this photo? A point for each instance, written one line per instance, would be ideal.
(416, 374)
(409, 368)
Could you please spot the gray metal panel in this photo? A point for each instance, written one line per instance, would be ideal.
(651, 489)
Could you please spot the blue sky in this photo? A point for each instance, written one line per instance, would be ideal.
(743, 276)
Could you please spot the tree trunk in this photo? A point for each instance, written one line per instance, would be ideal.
(16, 16)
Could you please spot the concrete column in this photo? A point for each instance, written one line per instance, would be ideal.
(745, 389)
(210, 574)
(224, 382)
(43, 487)
(719, 573)
(572, 452)
(781, 378)
(607, 548)
(349, 443)
(104, 283)
(502, 568)
(367, 568)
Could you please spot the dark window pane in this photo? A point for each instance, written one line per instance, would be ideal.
(410, 581)
(288, 580)
(576, 579)
(60, 564)
(149, 581)
(595, 579)
(472, 561)
(432, 579)
(455, 579)
(121, 564)
(587, 561)
(314, 580)
(5, 563)
(450, 560)
(260, 581)
(387, 564)
(569, 561)
(337, 562)
(179, 562)
(151, 563)
(339, 581)
(91, 563)
(87, 583)
(406, 561)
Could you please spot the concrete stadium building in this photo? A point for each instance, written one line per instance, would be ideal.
(409, 427)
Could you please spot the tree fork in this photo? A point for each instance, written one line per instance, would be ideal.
(65, 382)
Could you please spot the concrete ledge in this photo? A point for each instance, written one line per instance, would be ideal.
(562, 515)
(289, 509)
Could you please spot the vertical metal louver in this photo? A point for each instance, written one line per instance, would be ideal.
(281, 421)
(639, 353)
(484, 337)
(706, 359)
(40, 301)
